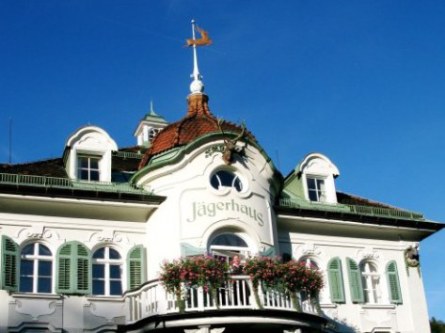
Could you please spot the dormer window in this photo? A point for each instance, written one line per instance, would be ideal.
(88, 155)
(314, 179)
(88, 168)
(316, 188)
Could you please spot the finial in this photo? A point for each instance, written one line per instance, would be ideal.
(152, 110)
(197, 86)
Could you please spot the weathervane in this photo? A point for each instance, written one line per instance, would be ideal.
(197, 86)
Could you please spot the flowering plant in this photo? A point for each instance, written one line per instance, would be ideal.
(211, 273)
(264, 269)
(297, 276)
(200, 271)
(292, 276)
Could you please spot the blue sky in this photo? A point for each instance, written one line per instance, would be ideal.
(360, 81)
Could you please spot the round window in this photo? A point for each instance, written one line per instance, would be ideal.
(223, 179)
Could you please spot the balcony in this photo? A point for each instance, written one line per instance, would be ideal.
(234, 304)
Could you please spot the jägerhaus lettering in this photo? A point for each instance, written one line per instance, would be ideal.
(211, 209)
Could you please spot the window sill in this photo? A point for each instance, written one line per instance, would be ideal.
(36, 295)
(328, 306)
(105, 298)
(378, 306)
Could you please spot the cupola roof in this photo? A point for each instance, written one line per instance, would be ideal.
(198, 121)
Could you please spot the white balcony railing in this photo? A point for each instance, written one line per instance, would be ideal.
(238, 293)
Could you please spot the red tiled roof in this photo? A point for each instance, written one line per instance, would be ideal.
(199, 121)
(348, 199)
(48, 168)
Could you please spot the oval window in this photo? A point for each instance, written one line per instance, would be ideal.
(226, 179)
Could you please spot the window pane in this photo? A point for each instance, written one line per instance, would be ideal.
(114, 254)
(229, 240)
(226, 177)
(99, 253)
(311, 183)
(28, 249)
(115, 288)
(26, 284)
(98, 287)
(94, 175)
(313, 196)
(45, 268)
(237, 184)
(98, 271)
(44, 251)
(83, 162)
(320, 184)
(215, 182)
(44, 285)
(83, 174)
(26, 267)
(115, 271)
(94, 163)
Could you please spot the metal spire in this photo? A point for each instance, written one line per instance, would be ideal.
(197, 86)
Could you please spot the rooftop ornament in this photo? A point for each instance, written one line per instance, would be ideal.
(197, 86)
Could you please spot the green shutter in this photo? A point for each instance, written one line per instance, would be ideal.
(136, 267)
(83, 263)
(73, 269)
(64, 285)
(10, 264)
(335, 278)
(355, 282)
(393, 283)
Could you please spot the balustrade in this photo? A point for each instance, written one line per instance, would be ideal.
(238, 293)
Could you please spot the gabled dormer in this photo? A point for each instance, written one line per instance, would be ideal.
(149, 127)
(313, 179)
(87, 155)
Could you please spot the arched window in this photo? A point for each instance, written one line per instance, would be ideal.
(371, 282)
(36, 269)
(228, 245)
(222, 179)
(107, 272)
(309, 262)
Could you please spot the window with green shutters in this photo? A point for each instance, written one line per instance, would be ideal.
(73, 268)
(10, 264)
(392, 276)
(355, 281)
(335, 279)
(136, 267)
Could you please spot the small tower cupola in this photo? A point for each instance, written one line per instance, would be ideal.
(149, 127)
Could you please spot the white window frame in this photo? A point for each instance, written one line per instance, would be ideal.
(37, 258)
(229, 251)
(223, 188)
(89, 169)
(107, 262)
(89, 141)
(372, 281)
(318, 166)
(321, 194)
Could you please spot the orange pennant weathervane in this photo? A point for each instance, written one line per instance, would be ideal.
(204, 40)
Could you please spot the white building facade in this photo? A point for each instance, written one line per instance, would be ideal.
(83, 237)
